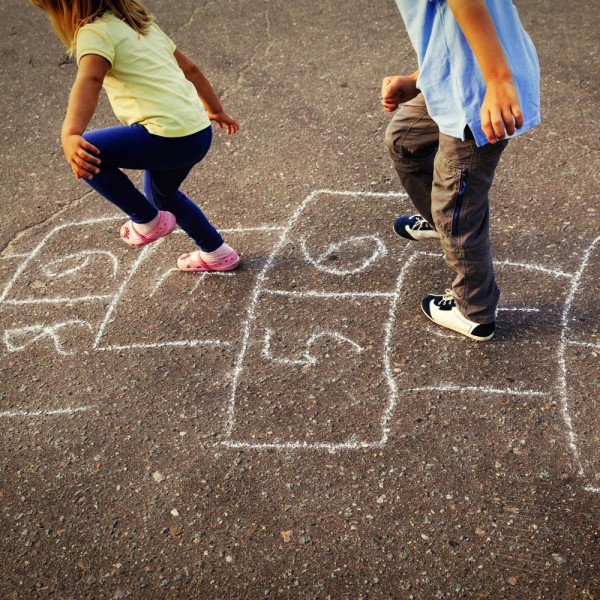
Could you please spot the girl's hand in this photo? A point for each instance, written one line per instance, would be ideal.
(398, 89)
(500, 112)
(77, 151)
(222, 119)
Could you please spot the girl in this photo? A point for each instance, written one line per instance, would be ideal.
(165, 104)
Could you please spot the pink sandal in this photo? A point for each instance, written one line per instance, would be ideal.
(193, 262)
(166, 224)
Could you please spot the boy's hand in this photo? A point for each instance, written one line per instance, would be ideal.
(500, 112)
(77, 150)
(398, 89)
(222, 119)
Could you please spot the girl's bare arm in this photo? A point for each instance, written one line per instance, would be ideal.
(206, 93)
(83, 101)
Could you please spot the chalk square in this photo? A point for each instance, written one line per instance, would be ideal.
(322, 373)
(340, 242)
(526, 319)
(74, 262)
(196, 308)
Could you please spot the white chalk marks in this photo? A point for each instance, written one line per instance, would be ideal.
(307, 357)
(21, 337)
(317, 330)
(334, 250)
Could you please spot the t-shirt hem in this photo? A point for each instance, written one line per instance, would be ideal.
(174, 133)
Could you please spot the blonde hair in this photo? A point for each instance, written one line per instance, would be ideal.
(69, 16)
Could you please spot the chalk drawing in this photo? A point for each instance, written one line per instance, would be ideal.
(199, 278)
(308, 359)
(338, 260)
(338, 248)
(39, 332)
(52, 269)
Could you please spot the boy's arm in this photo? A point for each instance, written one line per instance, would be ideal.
(83, 101)
(205, 92)
(500, 110)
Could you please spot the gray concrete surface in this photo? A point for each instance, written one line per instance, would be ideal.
(297, 429)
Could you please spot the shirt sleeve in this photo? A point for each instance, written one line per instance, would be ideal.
(170, 43)
(91, 40)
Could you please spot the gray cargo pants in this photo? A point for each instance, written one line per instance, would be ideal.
(448, 181)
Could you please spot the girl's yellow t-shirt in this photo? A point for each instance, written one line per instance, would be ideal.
(144, 84)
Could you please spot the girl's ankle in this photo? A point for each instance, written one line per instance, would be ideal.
(146, 228)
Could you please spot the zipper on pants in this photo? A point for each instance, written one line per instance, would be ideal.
(462, 188)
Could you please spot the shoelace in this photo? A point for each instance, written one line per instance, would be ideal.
(421, 223)
(447, 298)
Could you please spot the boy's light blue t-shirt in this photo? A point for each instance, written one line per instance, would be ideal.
(450, 78)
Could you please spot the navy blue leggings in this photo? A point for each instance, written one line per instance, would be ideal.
(166, 163)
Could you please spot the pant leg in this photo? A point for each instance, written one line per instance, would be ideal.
(166, 163)
(121, 147)
(463, 175)
(162, 189)
(412, 139)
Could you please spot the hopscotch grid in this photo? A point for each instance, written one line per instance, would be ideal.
(564, 343)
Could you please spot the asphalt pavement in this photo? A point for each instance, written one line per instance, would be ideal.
(297, 428)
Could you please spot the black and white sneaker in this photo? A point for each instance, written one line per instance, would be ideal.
(443, 311)
(415, 227)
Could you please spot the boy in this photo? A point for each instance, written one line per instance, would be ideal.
(477, 85)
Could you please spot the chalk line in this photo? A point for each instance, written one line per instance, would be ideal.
(44, 413)
(149, 346)
(533, 267)
(331, 447)
(324, 294)
(595, 346)
(477, 390)
(58, 300)
(562, 360)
